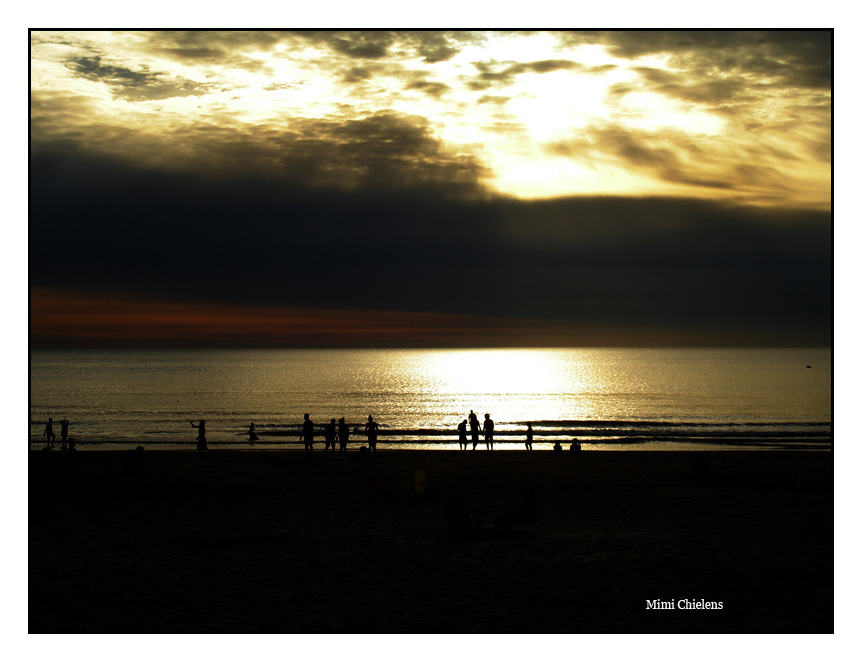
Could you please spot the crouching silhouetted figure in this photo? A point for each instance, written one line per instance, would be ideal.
(575, 446)
(525, 515)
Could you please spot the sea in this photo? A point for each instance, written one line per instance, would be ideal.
(620, 399)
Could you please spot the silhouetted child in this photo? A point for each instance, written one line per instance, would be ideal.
(575, 446)
(330, 436)
(528, 443)
(462, 435)
(202, 435)
(344, 433)
(488, 429)
(253, 436)
(557, 448)
(372, 433)
(308, 433)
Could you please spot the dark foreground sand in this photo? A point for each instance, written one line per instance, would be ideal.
(273, 542)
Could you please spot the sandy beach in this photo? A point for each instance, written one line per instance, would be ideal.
(280, 542)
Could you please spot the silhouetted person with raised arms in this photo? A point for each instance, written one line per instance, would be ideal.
(488, 429)
(462, 436)
(49, 433)
(344, 434)
(308, 433)
(330, 436)
(64, 433)
(372, 434)
(474, 429)
(253, 436)
(528, 443)
(202, 435)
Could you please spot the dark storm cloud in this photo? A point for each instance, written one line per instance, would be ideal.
(383, 151)
(264, 237)
(792, 57)
(134, 85)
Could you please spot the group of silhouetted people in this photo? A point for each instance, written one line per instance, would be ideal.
(340, 434)
(473, 421)
(488, 430)
(67, 443)
(333, 433)
(575, 446)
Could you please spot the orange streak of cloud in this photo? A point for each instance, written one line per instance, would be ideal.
(91, 320)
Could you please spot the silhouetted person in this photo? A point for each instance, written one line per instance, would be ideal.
(557, 448)
(202, 435)
(488, 429)
(372, 433)
(64, 433)
(575, 446)
(49, 433)
(73, 445)
(523, 515)
(308, 433)
(330, 435)
(462, 435)
(474, 429)
(253, 436)
(528, 443)
(344, 434)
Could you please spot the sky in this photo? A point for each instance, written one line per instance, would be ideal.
(430, 189)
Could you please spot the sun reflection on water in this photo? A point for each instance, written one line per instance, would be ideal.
(511, 384)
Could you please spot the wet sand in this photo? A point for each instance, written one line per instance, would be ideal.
(276, 542)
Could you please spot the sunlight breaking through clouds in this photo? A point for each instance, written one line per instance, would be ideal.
(680, 124)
